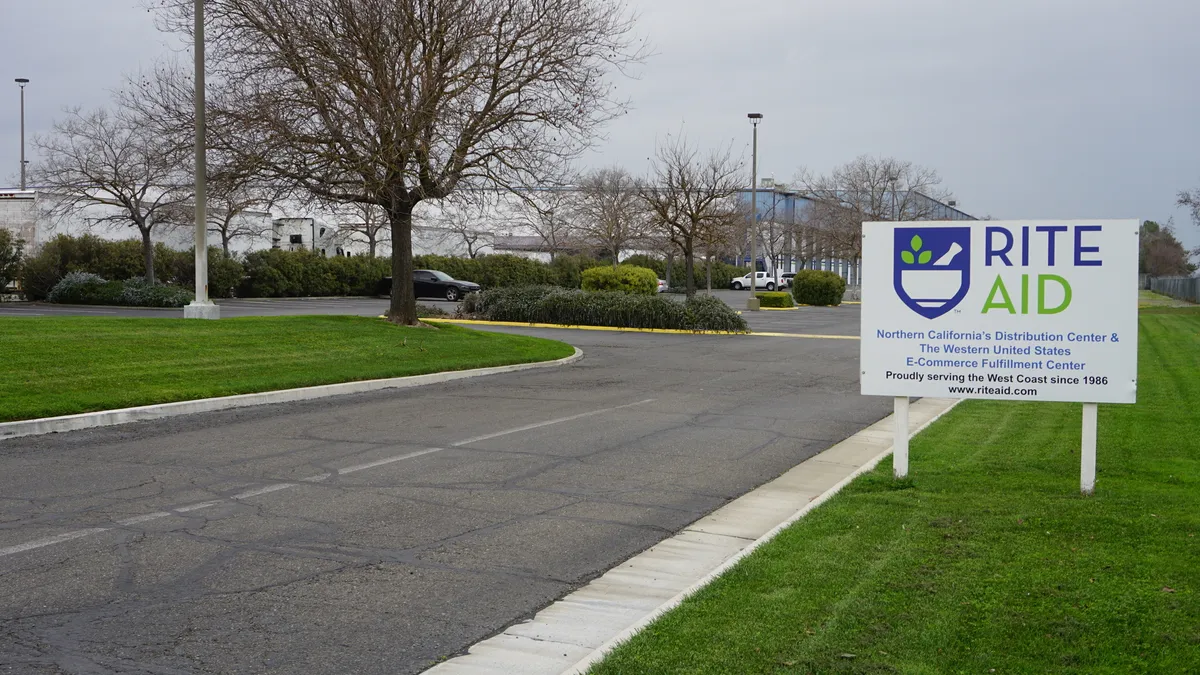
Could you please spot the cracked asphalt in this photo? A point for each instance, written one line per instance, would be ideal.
(370, 533)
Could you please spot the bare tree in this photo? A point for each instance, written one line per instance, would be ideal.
(610, 214)
(231, 199)
(1191, 201)
(688, 195)
(357, 223)
(391, 102)
(116, 161)
(867, 189)
(460, 220)
(550, 214)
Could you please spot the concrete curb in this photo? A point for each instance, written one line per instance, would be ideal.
(577, 631)
(105, 418)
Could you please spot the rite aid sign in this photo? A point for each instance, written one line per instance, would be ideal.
(1022, 310)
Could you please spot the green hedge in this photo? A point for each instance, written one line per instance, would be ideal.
(548, 304)
(722, 273)
(275, 273)
(503, 270)
(85, 288)
(622, 278)
(116, 260)
(817, 287)
(775, 299)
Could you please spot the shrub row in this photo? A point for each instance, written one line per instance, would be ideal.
(549, 304)
(622, 278)
(774, 299)
(818, 287)
(722, 273)
(85, 288)
(271, 273)
(503, 270)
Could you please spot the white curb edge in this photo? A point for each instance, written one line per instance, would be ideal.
(600, 652)
(105, 418)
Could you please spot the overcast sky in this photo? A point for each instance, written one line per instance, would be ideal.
(1027, 108)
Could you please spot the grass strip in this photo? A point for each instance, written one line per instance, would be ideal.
(62, 366)
(987, 560)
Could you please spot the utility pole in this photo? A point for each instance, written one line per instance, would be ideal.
(201, 307)
(753, 303)
(21, 82)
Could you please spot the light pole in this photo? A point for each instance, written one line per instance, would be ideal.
(21, 82)
(201, 307)
(752, 303)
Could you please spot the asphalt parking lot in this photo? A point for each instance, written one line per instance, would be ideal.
(380, 533)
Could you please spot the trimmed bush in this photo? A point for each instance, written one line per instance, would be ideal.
(77, 288)
(224, 274)
(775, 299)
(275, 273)
(547, 304)
(623, 278)
(138, 292)
(568, 269)
(818, 287)
(85, 288)
(722, 273)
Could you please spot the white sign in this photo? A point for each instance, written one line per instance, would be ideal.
(1021, 310)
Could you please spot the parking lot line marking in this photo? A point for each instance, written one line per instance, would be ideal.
(547, 423)
(276, 487)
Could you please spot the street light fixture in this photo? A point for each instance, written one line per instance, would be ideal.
(21, 82)
(752, 303)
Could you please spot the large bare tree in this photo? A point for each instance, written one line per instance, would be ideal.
(550, 215)
(863, 190)
(112, 168)
(689, 193)
(393, 102)
(610, 214)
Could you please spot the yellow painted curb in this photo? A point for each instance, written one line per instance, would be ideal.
(616, 329)
(779, 309)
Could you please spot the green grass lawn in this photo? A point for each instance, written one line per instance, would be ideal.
(988, 560)
(60, 366)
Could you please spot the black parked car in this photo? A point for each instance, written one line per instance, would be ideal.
(433, 284)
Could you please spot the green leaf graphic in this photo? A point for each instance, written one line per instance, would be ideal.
(907, 257)
(925, 257)
(916, 242)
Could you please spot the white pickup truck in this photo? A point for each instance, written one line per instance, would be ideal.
(764, 282)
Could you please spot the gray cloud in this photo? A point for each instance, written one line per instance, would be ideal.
(1028, 108)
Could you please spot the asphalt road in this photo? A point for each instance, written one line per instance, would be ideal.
(380, 533)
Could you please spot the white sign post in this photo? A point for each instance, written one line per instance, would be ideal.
(1013, 310)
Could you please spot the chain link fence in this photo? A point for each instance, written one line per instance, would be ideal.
(1180, 288)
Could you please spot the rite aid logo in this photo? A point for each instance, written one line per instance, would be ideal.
(932, 268)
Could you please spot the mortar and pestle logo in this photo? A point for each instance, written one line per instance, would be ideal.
(932, 287)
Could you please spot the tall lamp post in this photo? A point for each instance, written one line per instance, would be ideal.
(201, 307)
(752, 302)
(21, 82)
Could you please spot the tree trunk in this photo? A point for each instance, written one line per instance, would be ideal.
(670, 260)
(403, 308)
(708, 273)
(689, 267)
(616, 254)
(371, 244)
(147, 253)
(225, 244)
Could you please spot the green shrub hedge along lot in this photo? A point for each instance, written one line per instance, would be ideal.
(550, 304)
(622, 278)
(818, 287)
(775, 299)
(987, 560)
(61, 366)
